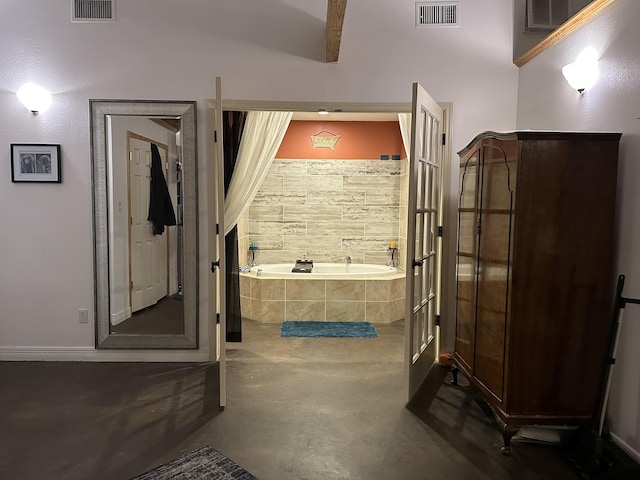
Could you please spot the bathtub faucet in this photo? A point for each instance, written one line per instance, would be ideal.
(347, 260)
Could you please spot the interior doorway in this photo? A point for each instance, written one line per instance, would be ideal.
(302, 113)
(363, 112)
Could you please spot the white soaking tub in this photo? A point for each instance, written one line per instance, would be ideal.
(325, 271)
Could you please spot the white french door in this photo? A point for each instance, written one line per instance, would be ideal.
(217, 282)
(424, 241)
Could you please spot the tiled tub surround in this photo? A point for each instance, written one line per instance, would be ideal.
(273, 300)
(327, 210)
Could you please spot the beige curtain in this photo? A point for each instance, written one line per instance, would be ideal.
(404, 119)
(261, 138)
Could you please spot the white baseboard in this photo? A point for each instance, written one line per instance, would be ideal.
(625, 447)
(120, 316)
(90, 354)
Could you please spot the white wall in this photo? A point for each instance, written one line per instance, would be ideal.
(546, 101)
(163, 49)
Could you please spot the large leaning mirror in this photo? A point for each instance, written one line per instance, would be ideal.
(145, 223)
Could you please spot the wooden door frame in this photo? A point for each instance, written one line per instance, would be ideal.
(445, 334)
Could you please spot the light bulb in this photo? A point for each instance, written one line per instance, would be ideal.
(34, 97)
(583, 73)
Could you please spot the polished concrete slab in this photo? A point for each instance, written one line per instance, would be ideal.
(312, 408)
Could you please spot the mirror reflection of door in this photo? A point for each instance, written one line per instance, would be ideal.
(145, 268)
(148, 266)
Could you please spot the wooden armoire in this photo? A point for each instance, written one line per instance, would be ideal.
(535, 279)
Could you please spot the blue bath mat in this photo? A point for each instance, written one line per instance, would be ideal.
(328, 329)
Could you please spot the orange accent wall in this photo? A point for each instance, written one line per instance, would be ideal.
(358, 140)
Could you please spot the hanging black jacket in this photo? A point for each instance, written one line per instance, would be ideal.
(160, 207)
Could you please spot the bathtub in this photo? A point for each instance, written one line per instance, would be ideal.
(326, 271)
(332, 292)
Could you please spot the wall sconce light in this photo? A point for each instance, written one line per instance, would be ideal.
(34, 97)
(583, 73)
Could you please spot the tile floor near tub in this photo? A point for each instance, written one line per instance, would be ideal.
(270, 300)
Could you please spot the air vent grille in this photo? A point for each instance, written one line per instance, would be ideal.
(437, 14)
(546, 14)
(93, 11)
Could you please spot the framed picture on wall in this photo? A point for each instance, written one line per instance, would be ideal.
(35, 163)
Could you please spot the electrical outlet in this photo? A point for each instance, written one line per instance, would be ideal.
(83, 315)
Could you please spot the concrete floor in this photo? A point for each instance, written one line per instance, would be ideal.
(297, 409)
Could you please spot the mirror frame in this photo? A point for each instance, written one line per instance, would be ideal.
(99, 110)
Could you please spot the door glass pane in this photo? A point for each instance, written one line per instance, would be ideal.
(428, 147)
(433, 233)
(426, 286)
(432, 270)
(435, 189)
(496, 217)
(426, 246)
(423, 128)
(468, 181)
(431, 323)
(420, 186)
(419, 235)
(466, 259)
(465, 308)
(436, 141)
(417, 287)
(417, 333)
(427, 186)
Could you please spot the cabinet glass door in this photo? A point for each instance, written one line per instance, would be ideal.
(495, 227)
(467, 258)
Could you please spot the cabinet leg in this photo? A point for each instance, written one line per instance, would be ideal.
(507, 433)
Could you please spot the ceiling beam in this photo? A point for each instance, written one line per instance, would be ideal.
(171, 124)
(335, 19)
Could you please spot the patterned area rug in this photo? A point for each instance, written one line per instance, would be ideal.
(205, 463)
(328, 329)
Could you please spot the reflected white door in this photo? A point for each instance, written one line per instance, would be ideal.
(424, 244)
(147, 252)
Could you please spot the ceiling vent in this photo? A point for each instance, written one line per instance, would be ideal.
(546, 14)
(93, 11)
(437, 14)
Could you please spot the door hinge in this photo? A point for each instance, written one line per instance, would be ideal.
(440, 231)
(444, 139)
(215, 265)
(437, 320)
(217, 228)
(217, 318)
(131, 285)
(215, 136)
(130, 220)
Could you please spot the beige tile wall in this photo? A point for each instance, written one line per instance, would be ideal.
(327, 210)
(273, 300)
